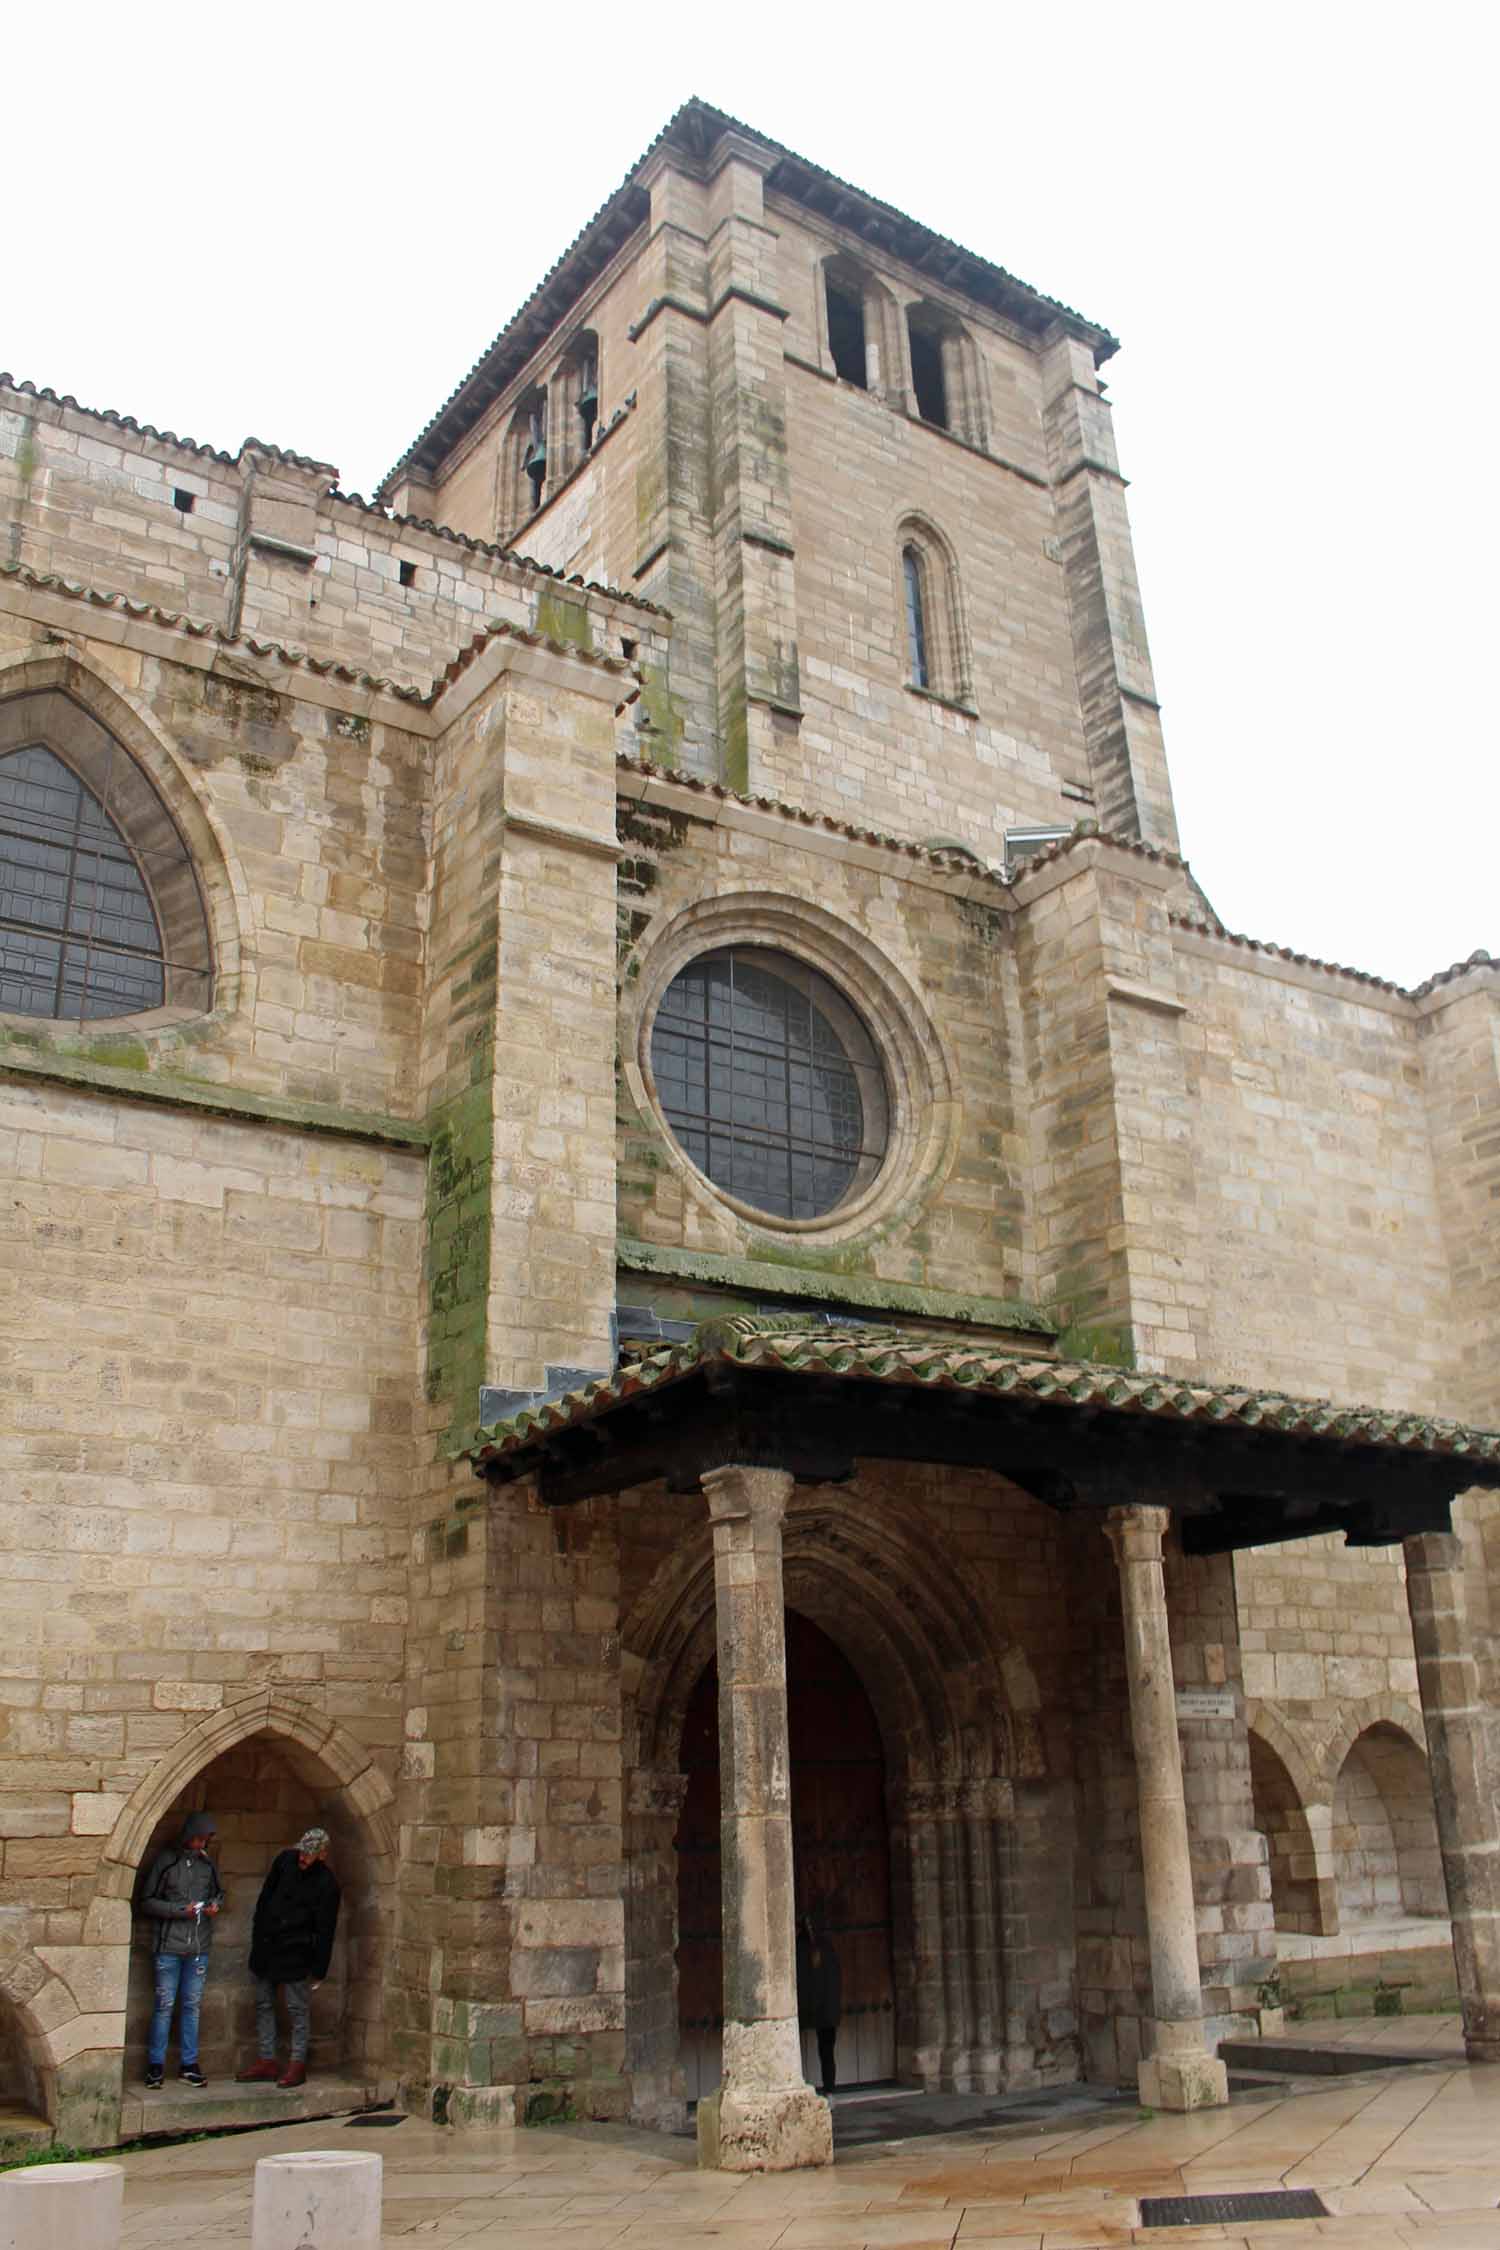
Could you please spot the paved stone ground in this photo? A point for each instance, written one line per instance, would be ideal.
(1403, 2159)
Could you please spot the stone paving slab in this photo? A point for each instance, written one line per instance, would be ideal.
(1403, 2162)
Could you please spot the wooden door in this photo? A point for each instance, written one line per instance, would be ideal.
(841, 1855)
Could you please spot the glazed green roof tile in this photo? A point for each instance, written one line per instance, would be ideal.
(893, 1356)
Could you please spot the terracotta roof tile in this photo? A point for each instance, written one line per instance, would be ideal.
(129, 423)
(1479, 959)
(1215, 929)
(957, 860)
(322, 667)
(889, 1356)
(510, 555)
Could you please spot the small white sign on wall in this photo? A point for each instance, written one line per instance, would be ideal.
(1205, 1703)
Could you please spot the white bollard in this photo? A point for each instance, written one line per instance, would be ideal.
(62, 2207)
(317, 2199)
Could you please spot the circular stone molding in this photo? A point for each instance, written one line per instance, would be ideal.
(920, 1080)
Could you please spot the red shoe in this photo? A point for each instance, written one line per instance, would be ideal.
(295, 2074)
(265, 2068)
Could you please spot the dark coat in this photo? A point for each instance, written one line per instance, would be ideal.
(179, 1880)
(820, 1980)
(295, 1918)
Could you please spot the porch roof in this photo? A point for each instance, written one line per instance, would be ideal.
(1242, 1466)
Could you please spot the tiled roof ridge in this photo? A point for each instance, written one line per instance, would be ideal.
(475, 546)
(960, 860)
(499, 629)
(323, 668)
(790, 156)
(696, 107)
(1479, 959)
(889, 1357)
(118, 421)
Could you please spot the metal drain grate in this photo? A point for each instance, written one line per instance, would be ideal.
(1225, 2210)
(378, 2117)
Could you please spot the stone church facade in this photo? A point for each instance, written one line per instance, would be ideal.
(659, 1258)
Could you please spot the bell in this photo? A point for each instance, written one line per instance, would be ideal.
(588, 390)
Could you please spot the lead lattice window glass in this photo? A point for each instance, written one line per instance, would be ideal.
(770, 1081)
(80, 934)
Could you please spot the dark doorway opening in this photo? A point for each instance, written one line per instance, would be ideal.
(841, 1856)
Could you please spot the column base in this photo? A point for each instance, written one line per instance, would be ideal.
(1183, 2080)
(760, 2131)
(1482, 2050)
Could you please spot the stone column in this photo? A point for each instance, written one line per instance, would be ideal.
(1463, 1797)
(765, 2117)
(1180, 2073)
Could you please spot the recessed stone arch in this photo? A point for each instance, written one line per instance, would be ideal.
(1387, 1859)
(25, 2060)
(959, 1717)
(267, 1766)
(1374, 1710)
(1303, 1895)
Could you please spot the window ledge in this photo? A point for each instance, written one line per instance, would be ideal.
(948, 702)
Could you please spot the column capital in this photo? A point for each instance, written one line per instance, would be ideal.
(1136, 1532)
(738, 1493)
(1429, 1552)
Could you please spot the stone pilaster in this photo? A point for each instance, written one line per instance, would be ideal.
(765, 2117)
(1121, 716)
(1180, 2073)
(1463, 1790)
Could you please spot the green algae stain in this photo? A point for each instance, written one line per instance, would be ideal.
(563, 620)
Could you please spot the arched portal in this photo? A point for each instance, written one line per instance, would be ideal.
(980, 1844)
(841, 1858)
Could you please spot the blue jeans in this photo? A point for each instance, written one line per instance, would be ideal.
(177, 1974)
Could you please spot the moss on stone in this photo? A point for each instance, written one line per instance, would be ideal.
(664, 720)
(564, 620)
(456, 1262)
(22, 1056)
(762, 1277)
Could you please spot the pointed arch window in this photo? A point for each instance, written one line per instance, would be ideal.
(916, 617)
(936, 647)
(100, 912)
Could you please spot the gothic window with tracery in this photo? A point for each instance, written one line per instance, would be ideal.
(99, 907)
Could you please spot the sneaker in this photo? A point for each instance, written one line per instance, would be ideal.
(192, 2076)
(153, 2077)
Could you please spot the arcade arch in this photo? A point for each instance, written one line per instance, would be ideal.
(1387, 1863)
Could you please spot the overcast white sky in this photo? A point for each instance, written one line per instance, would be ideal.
(307, 222)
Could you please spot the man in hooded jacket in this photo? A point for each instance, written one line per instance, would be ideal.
(291, 1944)
(180, 1898)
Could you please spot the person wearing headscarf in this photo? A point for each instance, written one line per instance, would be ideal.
(291, 1945)
(181, 1898)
